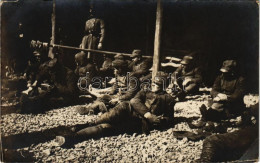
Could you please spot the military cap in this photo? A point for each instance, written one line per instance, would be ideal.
(119, 63)
(119, 56)
(80, 56)
(160, 78)
(186, 60)
(228, 66)
(136, 53)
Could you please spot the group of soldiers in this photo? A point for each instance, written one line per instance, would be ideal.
(135, 105)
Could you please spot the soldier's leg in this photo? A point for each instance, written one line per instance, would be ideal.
(92, 108)
(97, 106)
(119, 114)
(192, 88)
(99, 130)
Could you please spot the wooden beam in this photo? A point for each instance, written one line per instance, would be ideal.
(53, 22)
(157, 39)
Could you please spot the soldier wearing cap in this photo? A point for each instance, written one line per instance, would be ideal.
(32, 68)
(84, 66)
(139, 66)
(227, 93)
(187, 76)
(61, 89)
(122, 90)
(147, 110)
(94, 38)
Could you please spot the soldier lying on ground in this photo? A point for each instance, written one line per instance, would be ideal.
(147, 110)
(120, 91)
(187, 77)
(227, 93)
(231, 146)
(61, 91)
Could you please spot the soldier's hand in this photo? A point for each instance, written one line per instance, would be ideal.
(114, 101)
(100, 45)
(216, 99)
(223, 97)
(153, 118)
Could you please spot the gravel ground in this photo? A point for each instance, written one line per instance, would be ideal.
(159, 146)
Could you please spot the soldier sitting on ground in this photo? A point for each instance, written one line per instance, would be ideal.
(139, 66)
(241, 145)
(149, 109)
(187, 77)
(61, 89)
(120, 91)
(227, 93)
(85, 68)
(32, 70)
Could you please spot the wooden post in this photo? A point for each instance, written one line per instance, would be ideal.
(53, 19)
(157, 39)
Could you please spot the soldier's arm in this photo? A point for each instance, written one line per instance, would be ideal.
(113, 89)
(133, 87)
(216, 87)
(83, 43)
(130, 66)
(176, 74)
(138, 103)
(144, 68)
(239, 91)
(102, 31)
(198, 76)
(42, 75)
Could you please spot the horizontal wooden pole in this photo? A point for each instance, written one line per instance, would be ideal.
(93, 51)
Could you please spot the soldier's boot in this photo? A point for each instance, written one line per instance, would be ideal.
(93, 108)
(118, 114)
(67, 141)
(203, 111)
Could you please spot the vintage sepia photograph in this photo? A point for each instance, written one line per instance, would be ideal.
(129, 81)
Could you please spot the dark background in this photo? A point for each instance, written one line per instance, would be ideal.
(217, 30)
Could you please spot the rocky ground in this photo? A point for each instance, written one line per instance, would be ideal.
(159, 146)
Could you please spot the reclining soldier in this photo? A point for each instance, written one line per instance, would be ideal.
(227, 93)
(147, 110)
(62, 91)
(187, 77)
(123, 89)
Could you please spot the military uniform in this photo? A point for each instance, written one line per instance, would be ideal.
(139, 68)
(85, 68)
(32, 68)
(95, 33)
(188, 79)
(227, 93)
